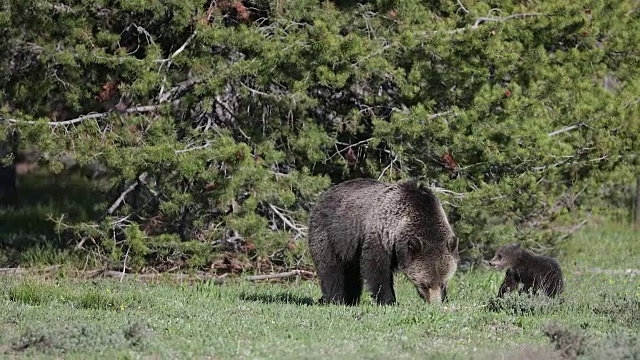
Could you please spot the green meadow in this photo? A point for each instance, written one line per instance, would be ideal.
(598, 317)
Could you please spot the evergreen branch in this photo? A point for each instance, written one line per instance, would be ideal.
(79, 119)
(372, 54)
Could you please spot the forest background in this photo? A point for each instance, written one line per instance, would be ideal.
(196, 135)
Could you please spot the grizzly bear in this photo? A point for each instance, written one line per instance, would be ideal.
(363, 230)
(534, 272)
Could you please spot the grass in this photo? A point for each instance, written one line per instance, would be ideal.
(599, 316)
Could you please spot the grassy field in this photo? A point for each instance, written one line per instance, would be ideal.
(599, 316)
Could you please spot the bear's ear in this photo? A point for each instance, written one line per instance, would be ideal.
(415, 245)
(453, 244)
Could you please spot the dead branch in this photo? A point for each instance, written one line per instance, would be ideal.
(349, 146)
(565, 129)
(124, 194)
(462, 8)
(20, 270)
(216, 279)
(388, 167)
(194, 148)
(479, 21)
(180, 49)
(448, 192)
(177, 90)
(437, 115)
(124, 265)
(297, 228)
(258, 92)
(137, 109)
(179, 277)
(573, 229)
(302, 273)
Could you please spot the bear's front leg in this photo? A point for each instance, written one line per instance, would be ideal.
(509, 284)
(377, 272)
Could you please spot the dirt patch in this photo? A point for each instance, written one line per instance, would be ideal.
(522, 352)
(569, 343)
(573, 343)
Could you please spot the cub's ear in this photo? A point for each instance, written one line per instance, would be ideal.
(453, 245)
(415, 245)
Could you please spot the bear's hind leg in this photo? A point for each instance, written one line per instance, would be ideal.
(352, 283)
(332, 284)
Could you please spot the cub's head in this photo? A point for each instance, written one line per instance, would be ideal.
(506, 256)
(431, 265)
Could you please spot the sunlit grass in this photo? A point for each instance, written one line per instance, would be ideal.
(106, 318)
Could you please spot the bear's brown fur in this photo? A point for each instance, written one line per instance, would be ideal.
(534, 272)
(364, 230)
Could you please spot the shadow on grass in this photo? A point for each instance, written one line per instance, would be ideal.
(284, 298)
(28, 228)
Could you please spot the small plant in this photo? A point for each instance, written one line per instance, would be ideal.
(523, 304)
(32, 292)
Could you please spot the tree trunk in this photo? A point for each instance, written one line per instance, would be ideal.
(638, 201)
(8, 172)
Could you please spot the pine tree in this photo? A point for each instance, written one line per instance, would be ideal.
(219, 123)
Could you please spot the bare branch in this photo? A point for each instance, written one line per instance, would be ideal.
(448, 192)
(206, 145)
(137, 109)
(177, 90)
(437, 115)
(348, 146)
(565, 129)
(180, 49)
(124, 265)
(388, 167)
(20, 270)
(462, 8)
(479, 21)
(281, 275)
(301, 230)
(258, 92)
(180, 277)
(124, 194)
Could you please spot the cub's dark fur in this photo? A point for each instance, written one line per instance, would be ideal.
(363, 230)
(533, 271)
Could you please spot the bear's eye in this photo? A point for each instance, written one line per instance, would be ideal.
(499, 257)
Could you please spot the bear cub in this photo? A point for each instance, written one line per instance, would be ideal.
(535, 272)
